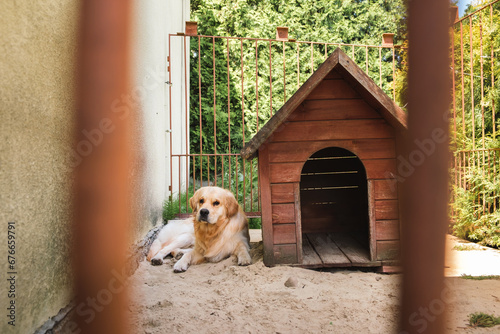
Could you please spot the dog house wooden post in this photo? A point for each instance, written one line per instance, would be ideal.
(327, 167)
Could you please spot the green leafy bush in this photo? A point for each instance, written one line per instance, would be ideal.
(254, 223)
(476, 213)
(175, 205)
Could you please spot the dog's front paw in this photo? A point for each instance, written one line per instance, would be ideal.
(156, 261)
(180, 267)
(244, 259)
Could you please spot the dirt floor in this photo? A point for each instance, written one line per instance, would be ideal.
(226, 298)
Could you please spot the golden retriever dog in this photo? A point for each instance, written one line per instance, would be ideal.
(220, 230)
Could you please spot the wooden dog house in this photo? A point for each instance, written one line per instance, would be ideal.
(327, 166)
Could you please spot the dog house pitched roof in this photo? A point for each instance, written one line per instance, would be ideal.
(338, 61)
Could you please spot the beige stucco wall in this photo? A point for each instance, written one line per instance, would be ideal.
(38, 43)
(37, 47)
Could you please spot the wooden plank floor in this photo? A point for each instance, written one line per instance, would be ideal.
(334, 250)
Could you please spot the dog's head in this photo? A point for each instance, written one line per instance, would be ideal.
(213, 204)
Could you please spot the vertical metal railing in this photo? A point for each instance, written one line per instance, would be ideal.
(244, 74)
(475, 100)
(474, 106)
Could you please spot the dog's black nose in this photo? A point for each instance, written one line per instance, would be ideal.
(204, 212)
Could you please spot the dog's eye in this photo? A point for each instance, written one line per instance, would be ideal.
(216, 203)
(202, 201)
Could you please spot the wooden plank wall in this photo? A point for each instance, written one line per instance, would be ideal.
(333, 115)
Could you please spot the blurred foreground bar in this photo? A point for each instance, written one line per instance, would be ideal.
(102, 175)
(425, 214)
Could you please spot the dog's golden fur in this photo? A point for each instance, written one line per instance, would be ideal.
(220, 229)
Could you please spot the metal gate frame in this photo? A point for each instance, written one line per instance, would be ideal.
(247, 186)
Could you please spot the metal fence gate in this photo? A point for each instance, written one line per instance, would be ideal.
(232, 86)
(476, 98)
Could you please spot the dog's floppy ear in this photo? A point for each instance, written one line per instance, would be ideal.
(193, 201)
(231, 204)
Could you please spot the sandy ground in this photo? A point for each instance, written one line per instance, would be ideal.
(226, 298)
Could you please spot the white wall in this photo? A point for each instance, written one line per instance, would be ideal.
(154, 21)
(179, 58)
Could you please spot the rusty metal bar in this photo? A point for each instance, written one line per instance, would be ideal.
(482, 77)
(312, 58)
(186, 89)
(454, 106)
(472, 85)
(215, 109)
(179, 183)
(199, 107)
(393, 74)
(489, 173)
(242, 92)
(292, 41)
(474, 160)
(242, 119)
(257, 82)
(462, 77)
(380, 67)
(228, 116)
(474, 13)
(244, 186)
(469, 152)
(251, 185)
(425, 206)
(187, 181)
(481, 150)
(169, 58)
(222, 171)
(462, 154)
(270, 79)
(366, 58)
(496, 157)
(298, 66)
(236, 168)
(102, 189)
(492, 77)
(207, 155)
(258, 186)
(455, 172)
(249, 214)
(489, 162)
(194, 174)
(208, 169)
(461, 168)
(284, 74)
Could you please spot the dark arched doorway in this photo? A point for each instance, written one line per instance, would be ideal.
(334, 207)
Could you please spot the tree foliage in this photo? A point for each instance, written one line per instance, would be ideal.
(249, 80)
(341, 21)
